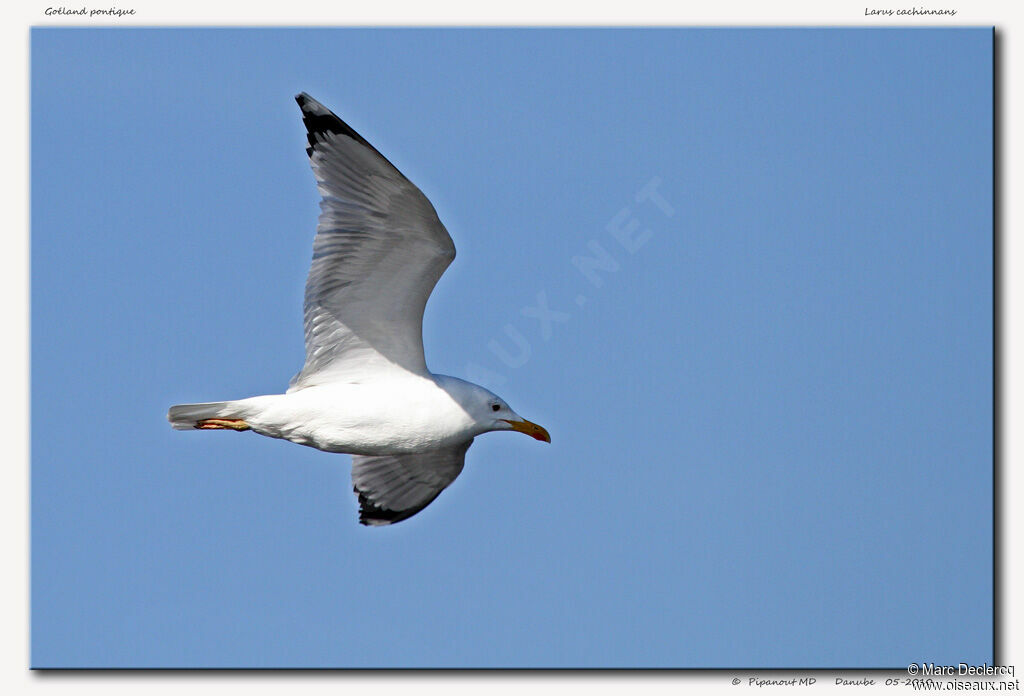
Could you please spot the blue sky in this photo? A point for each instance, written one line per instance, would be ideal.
(771, 411)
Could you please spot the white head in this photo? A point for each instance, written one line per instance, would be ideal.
(488, 410)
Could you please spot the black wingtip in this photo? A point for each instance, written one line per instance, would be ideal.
(372, 515)
(320, 121)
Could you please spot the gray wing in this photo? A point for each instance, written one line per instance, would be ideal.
(379, 250)
(395, 487)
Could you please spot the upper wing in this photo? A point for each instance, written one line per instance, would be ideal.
(395, 487)
(379, 251)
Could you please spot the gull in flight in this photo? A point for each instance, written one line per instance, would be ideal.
(365, 389)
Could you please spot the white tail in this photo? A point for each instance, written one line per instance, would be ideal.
(187, 416)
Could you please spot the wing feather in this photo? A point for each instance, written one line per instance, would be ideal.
(378, 253)
(395, 487)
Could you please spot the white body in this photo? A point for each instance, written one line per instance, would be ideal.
(400, 415)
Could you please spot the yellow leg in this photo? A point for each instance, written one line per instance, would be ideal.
(222, 424)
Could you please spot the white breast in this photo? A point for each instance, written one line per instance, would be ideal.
(396, 416)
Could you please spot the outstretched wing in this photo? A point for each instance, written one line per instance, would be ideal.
(378, 252)
(395, 487)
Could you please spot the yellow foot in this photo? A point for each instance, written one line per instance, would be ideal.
(222, 424)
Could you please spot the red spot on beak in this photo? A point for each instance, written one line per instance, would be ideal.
(532, 429)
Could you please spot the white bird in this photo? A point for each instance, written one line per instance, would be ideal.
(365, 388)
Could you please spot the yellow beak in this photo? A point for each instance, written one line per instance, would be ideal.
(531, 429)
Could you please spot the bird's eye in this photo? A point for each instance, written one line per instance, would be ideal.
(495, 407)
